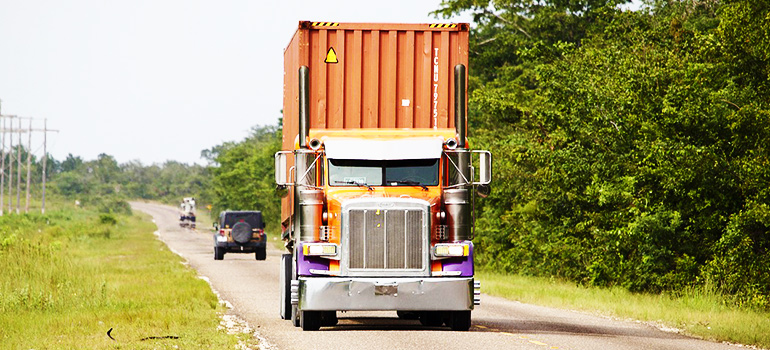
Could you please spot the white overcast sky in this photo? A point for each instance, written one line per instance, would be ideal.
(157, 80)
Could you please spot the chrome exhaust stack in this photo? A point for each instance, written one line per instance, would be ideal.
(460, 106)
(304, 105)
(315, 144)
(307, 201)
(457, 198)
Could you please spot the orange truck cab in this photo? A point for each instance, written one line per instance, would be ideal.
(379, 172)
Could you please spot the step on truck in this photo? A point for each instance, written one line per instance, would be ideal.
(380, 177)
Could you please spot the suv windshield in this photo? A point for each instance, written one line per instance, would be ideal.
(406, 172)
(254, 219)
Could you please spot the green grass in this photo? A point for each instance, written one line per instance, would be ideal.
(70, 275)
(698, 312)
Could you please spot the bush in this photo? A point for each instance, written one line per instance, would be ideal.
(740, 267)
(109, 204)
(108, 219)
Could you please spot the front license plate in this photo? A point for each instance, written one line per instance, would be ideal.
(386, 289)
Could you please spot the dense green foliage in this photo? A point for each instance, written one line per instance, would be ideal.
(243, 175)
(106, 185)
(631, 147)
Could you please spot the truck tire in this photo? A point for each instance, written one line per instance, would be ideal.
(285, 287)
(329, 318)
(294, 316)
(460, 320)
(241, 232)
(261, 253)
(431, 318)
(310, 320)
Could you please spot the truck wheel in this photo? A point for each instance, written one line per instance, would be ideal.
(261, 253)
(329, 318)
(310, 320)
(408, 315)
(285, 286)
(460, 320)
(219, 253)
(431, 318)
(294, 316)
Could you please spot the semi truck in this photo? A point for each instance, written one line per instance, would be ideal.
(378, 175)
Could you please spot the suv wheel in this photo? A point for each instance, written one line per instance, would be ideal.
(261, 253)
(219, 253)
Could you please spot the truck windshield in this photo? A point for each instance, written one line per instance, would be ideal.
(402, 172)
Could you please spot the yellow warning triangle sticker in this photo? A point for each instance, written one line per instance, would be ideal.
(331, 56)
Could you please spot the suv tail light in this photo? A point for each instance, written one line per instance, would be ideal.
(221, 232)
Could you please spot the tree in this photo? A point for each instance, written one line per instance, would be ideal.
(243, 177)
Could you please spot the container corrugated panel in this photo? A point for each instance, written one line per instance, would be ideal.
(373, 75)
(365, 75)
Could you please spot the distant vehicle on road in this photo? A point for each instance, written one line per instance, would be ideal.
(187, 212)
(240, 232)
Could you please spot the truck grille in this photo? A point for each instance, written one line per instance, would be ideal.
(386, 239)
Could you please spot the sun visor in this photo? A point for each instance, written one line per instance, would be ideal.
(411, 148)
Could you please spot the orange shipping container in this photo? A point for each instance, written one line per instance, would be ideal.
(373, 75)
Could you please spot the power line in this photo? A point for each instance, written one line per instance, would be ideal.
(7, 132)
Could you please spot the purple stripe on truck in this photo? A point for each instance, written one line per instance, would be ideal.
(464, 264)
(306, 263)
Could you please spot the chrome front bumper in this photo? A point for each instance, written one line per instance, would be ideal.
(402, 294)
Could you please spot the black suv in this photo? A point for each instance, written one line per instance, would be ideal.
(240, 232)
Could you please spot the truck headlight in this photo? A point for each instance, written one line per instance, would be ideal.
(319, 249)
(451, 249)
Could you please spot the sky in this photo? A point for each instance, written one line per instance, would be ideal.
(158, 80)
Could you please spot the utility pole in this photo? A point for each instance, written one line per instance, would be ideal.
(18, 170)
(10, 169)
(6, 133)
(2, 165)
(29, 164)
(45, 157)
(2, 159)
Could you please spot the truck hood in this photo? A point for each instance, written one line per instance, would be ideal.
(337, 196)
(405, 148)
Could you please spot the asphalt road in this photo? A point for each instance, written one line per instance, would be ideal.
(251, 287)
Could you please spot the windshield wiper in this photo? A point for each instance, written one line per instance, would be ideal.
(361, 184)
(411, 183)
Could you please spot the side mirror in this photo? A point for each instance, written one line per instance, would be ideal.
(281, 191)
(281, 172)
(216, 226)
(483, 191)
(485, 167)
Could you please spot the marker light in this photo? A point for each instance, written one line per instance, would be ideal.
(451, 249)
(319, 249)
